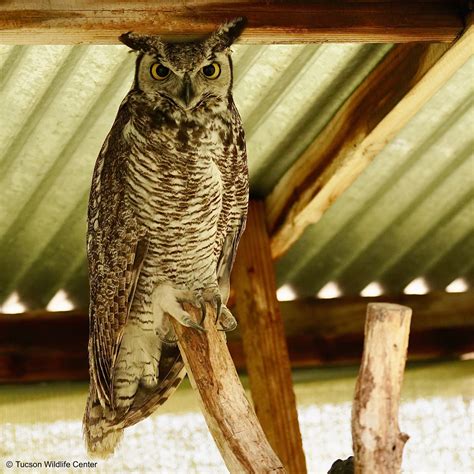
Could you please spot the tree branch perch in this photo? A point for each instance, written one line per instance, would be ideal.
(229, 415)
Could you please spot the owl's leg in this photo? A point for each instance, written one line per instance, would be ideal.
(137, 362)
(168, 300)
(225, 319)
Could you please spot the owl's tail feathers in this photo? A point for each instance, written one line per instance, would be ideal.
(100, 434)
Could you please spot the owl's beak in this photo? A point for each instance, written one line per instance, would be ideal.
(187, 93)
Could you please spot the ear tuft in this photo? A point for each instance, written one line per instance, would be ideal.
(143, 43)
(226, 34)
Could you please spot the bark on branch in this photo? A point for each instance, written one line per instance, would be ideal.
(376, 437)
(229, 415)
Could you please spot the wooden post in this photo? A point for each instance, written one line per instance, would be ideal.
(228, 413)
(264, 342)
(376, 437)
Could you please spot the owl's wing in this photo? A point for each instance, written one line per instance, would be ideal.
(227, 256)
(235, 172)
(116, 248)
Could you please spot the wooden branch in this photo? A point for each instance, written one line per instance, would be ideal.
(376, 438)
(378, 109)
(82, 21)
(227, 411)
(42, 346)
(264, 342)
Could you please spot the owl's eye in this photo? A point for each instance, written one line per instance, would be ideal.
(159, 72)
(212, 71)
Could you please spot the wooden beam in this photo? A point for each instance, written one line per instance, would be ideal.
(430, 344)
(41, 346)
(376, 438)
(334, 318)
(269, 21)
(264, 342)
(229, 415)
(378, 109)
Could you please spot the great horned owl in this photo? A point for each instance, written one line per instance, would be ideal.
(167, 208)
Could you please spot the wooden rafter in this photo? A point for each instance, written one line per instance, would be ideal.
(53, 346)
(378, 109)
(82, 21)
(340, 317)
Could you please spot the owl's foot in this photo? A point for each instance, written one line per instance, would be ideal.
(226, 320)
(170, 301)
(224, 317)
(212, 296)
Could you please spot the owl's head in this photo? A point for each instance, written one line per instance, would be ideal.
(185, 74)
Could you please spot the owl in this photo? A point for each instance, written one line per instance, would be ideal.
(167, 207)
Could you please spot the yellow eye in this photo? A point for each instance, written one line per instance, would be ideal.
(212, 71)
(159, 72)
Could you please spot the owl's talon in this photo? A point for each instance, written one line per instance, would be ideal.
(218, 308)
(198, 327)
(186, 320)
(213, 296)
(203, 310)
(169, 300)
(227, 321)
(192, 324)
(224, 318)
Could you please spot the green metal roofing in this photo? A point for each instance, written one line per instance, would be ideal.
(409, 214)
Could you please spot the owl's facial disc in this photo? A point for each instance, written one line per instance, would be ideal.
(189, 85)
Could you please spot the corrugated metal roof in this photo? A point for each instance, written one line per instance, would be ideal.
(410, 212)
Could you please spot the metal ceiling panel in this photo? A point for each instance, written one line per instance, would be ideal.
(410, 211)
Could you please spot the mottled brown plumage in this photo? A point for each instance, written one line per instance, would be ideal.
(167, 208)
